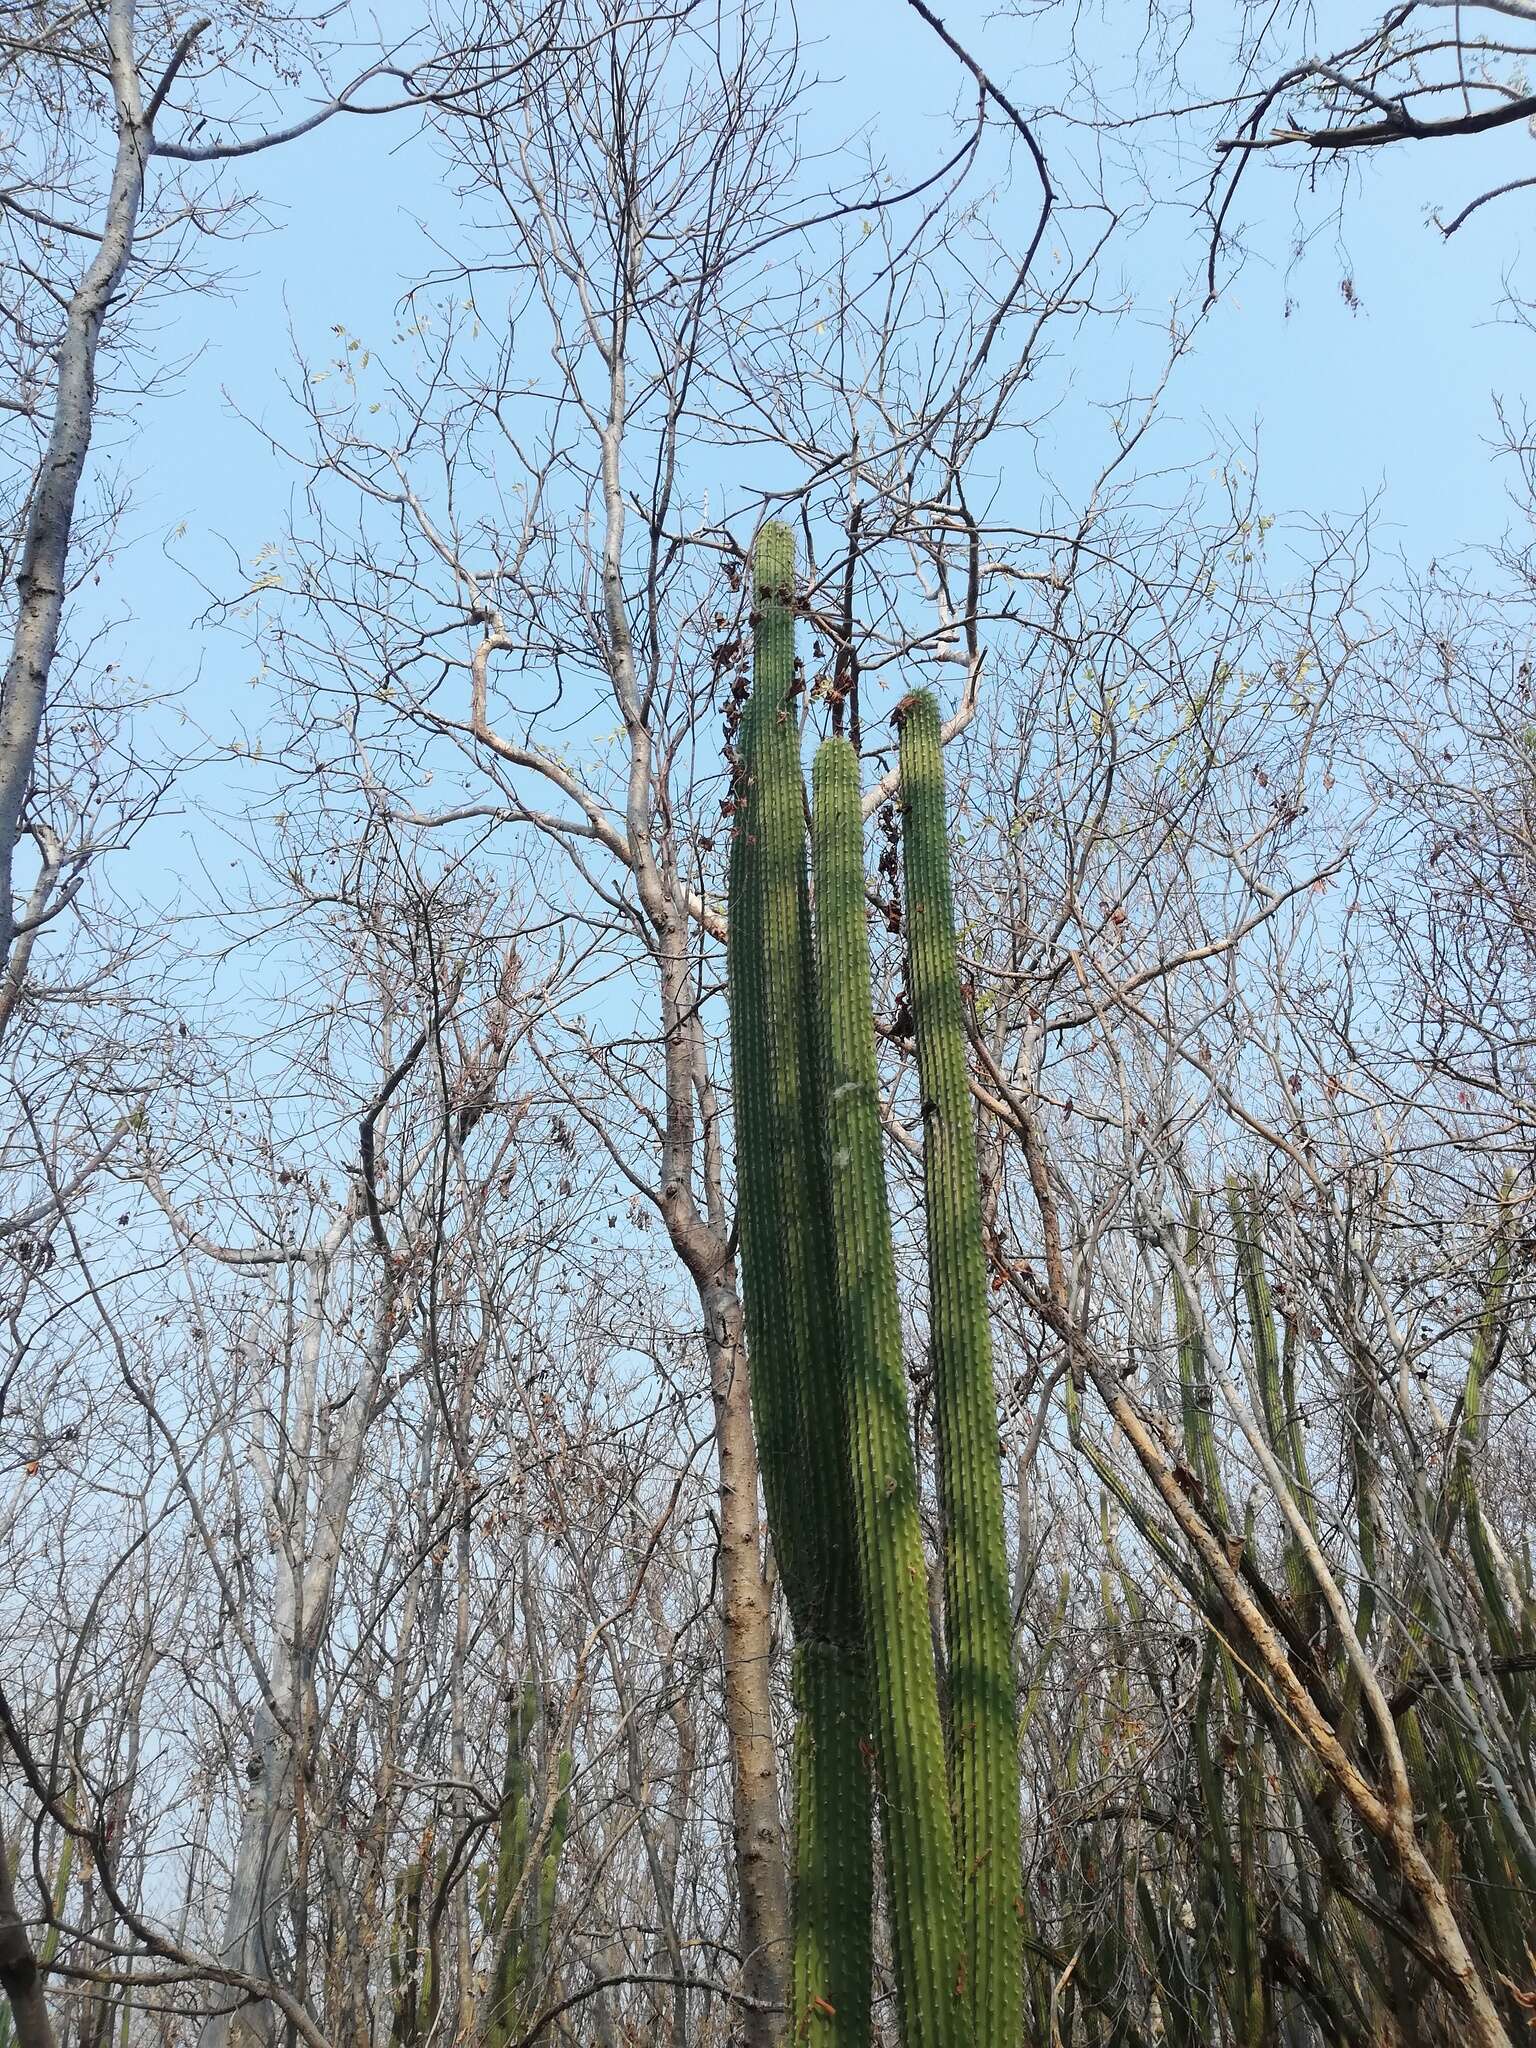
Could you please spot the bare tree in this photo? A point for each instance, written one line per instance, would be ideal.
(95, 83)
(391, 1644)
(1414, 75)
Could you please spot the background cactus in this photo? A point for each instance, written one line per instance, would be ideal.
(983, 1733)
(522, 1904)
(795, 1358)
(516, 1902)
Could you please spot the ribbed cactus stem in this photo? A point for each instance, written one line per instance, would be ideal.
(920, 1860)
(775, 1407)
(59, 1896)
(512, 1829)
(1195, 1384)
(511, 1855)
(1273, 1372)
(541, 1919)
(791, 1326)
(978, 1617)
(787, 1280)
(834, 1900)
(523, 1901)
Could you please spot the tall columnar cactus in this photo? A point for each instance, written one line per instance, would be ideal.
(521, 1905)
(795, 1358)
(920, 1857)
(978, 1620)
(796, 1367)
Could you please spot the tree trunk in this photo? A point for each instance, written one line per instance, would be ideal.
(308, 1552)
(40, 578)
(20, 1977)
(747, 1622)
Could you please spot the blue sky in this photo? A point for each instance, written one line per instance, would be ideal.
(1384, 394)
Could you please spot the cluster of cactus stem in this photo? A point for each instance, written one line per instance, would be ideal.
(830, 1393)
(516, 1899)
(1232, 1902)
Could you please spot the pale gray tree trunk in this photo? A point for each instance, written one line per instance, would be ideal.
(701, 1240)
(44, 555)
(308, 1541)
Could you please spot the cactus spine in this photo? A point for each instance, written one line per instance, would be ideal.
(984, 1758)
(797, 1398)
(920, 1857)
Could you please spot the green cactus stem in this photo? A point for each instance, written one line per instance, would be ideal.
(1197, 1395)
(1274, 1375)
(541, 1919)
(522, 1902)
(920, 1862)
(791, 1328)
(833, 1894)
(795, 1366)
(59, 1895)
(978, 1621)
(512, 1822)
